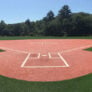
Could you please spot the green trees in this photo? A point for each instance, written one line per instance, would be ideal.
(64, 13)
(2, 27)
(81, 24)
(49, 17)
(64, 16)
(29, 27)
(65, 23)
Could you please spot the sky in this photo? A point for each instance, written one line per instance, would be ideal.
(16, 11)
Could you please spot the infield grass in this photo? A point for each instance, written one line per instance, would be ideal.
(2, 50)
(89, 49)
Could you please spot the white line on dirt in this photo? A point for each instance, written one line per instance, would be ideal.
(74, 49)
(43, 66)
(49, 55)
(25, 59)
(62, 58)
(19, 51)
(38, 55)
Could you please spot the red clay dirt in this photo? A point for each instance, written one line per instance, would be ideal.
(16, 62)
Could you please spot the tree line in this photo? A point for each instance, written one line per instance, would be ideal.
(65, 23)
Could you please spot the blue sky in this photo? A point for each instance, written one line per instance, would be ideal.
(13, 11)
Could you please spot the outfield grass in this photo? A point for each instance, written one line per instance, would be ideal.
(89, 49)
(81, 84)
(42, 37)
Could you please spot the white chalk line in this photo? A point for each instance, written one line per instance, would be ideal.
(55, 57)
(43, 66)
(49, 55)
(26, 59)
(29, 55)
(69, 50)
(63, 59)
(74, 49)
(19, 51)
(38, 56)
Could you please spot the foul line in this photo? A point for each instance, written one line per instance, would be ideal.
(74, 49)
(14, 50)
(25, 59)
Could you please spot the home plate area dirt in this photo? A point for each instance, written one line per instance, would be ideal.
(45, 59)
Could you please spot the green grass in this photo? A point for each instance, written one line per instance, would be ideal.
(2, 50)
(89, 49)
(81, 84)
(42, 37)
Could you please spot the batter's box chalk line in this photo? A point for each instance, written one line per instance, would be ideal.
(39, 55)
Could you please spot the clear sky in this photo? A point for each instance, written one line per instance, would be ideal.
(13, 11)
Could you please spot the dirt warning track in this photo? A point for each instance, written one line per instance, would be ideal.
(45, 60)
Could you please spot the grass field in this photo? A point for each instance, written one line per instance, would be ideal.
(81, 84)
(2, 50)
(43, 37)
(89, 49)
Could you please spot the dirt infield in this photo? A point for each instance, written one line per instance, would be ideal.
(45, 60)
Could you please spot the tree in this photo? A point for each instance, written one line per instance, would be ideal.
(81, 24)
(2, 27)
(49, 17)
(54, 28)
(65, 12)
(30, 26)
(64, 24)
(64, 16)
(28, 22)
